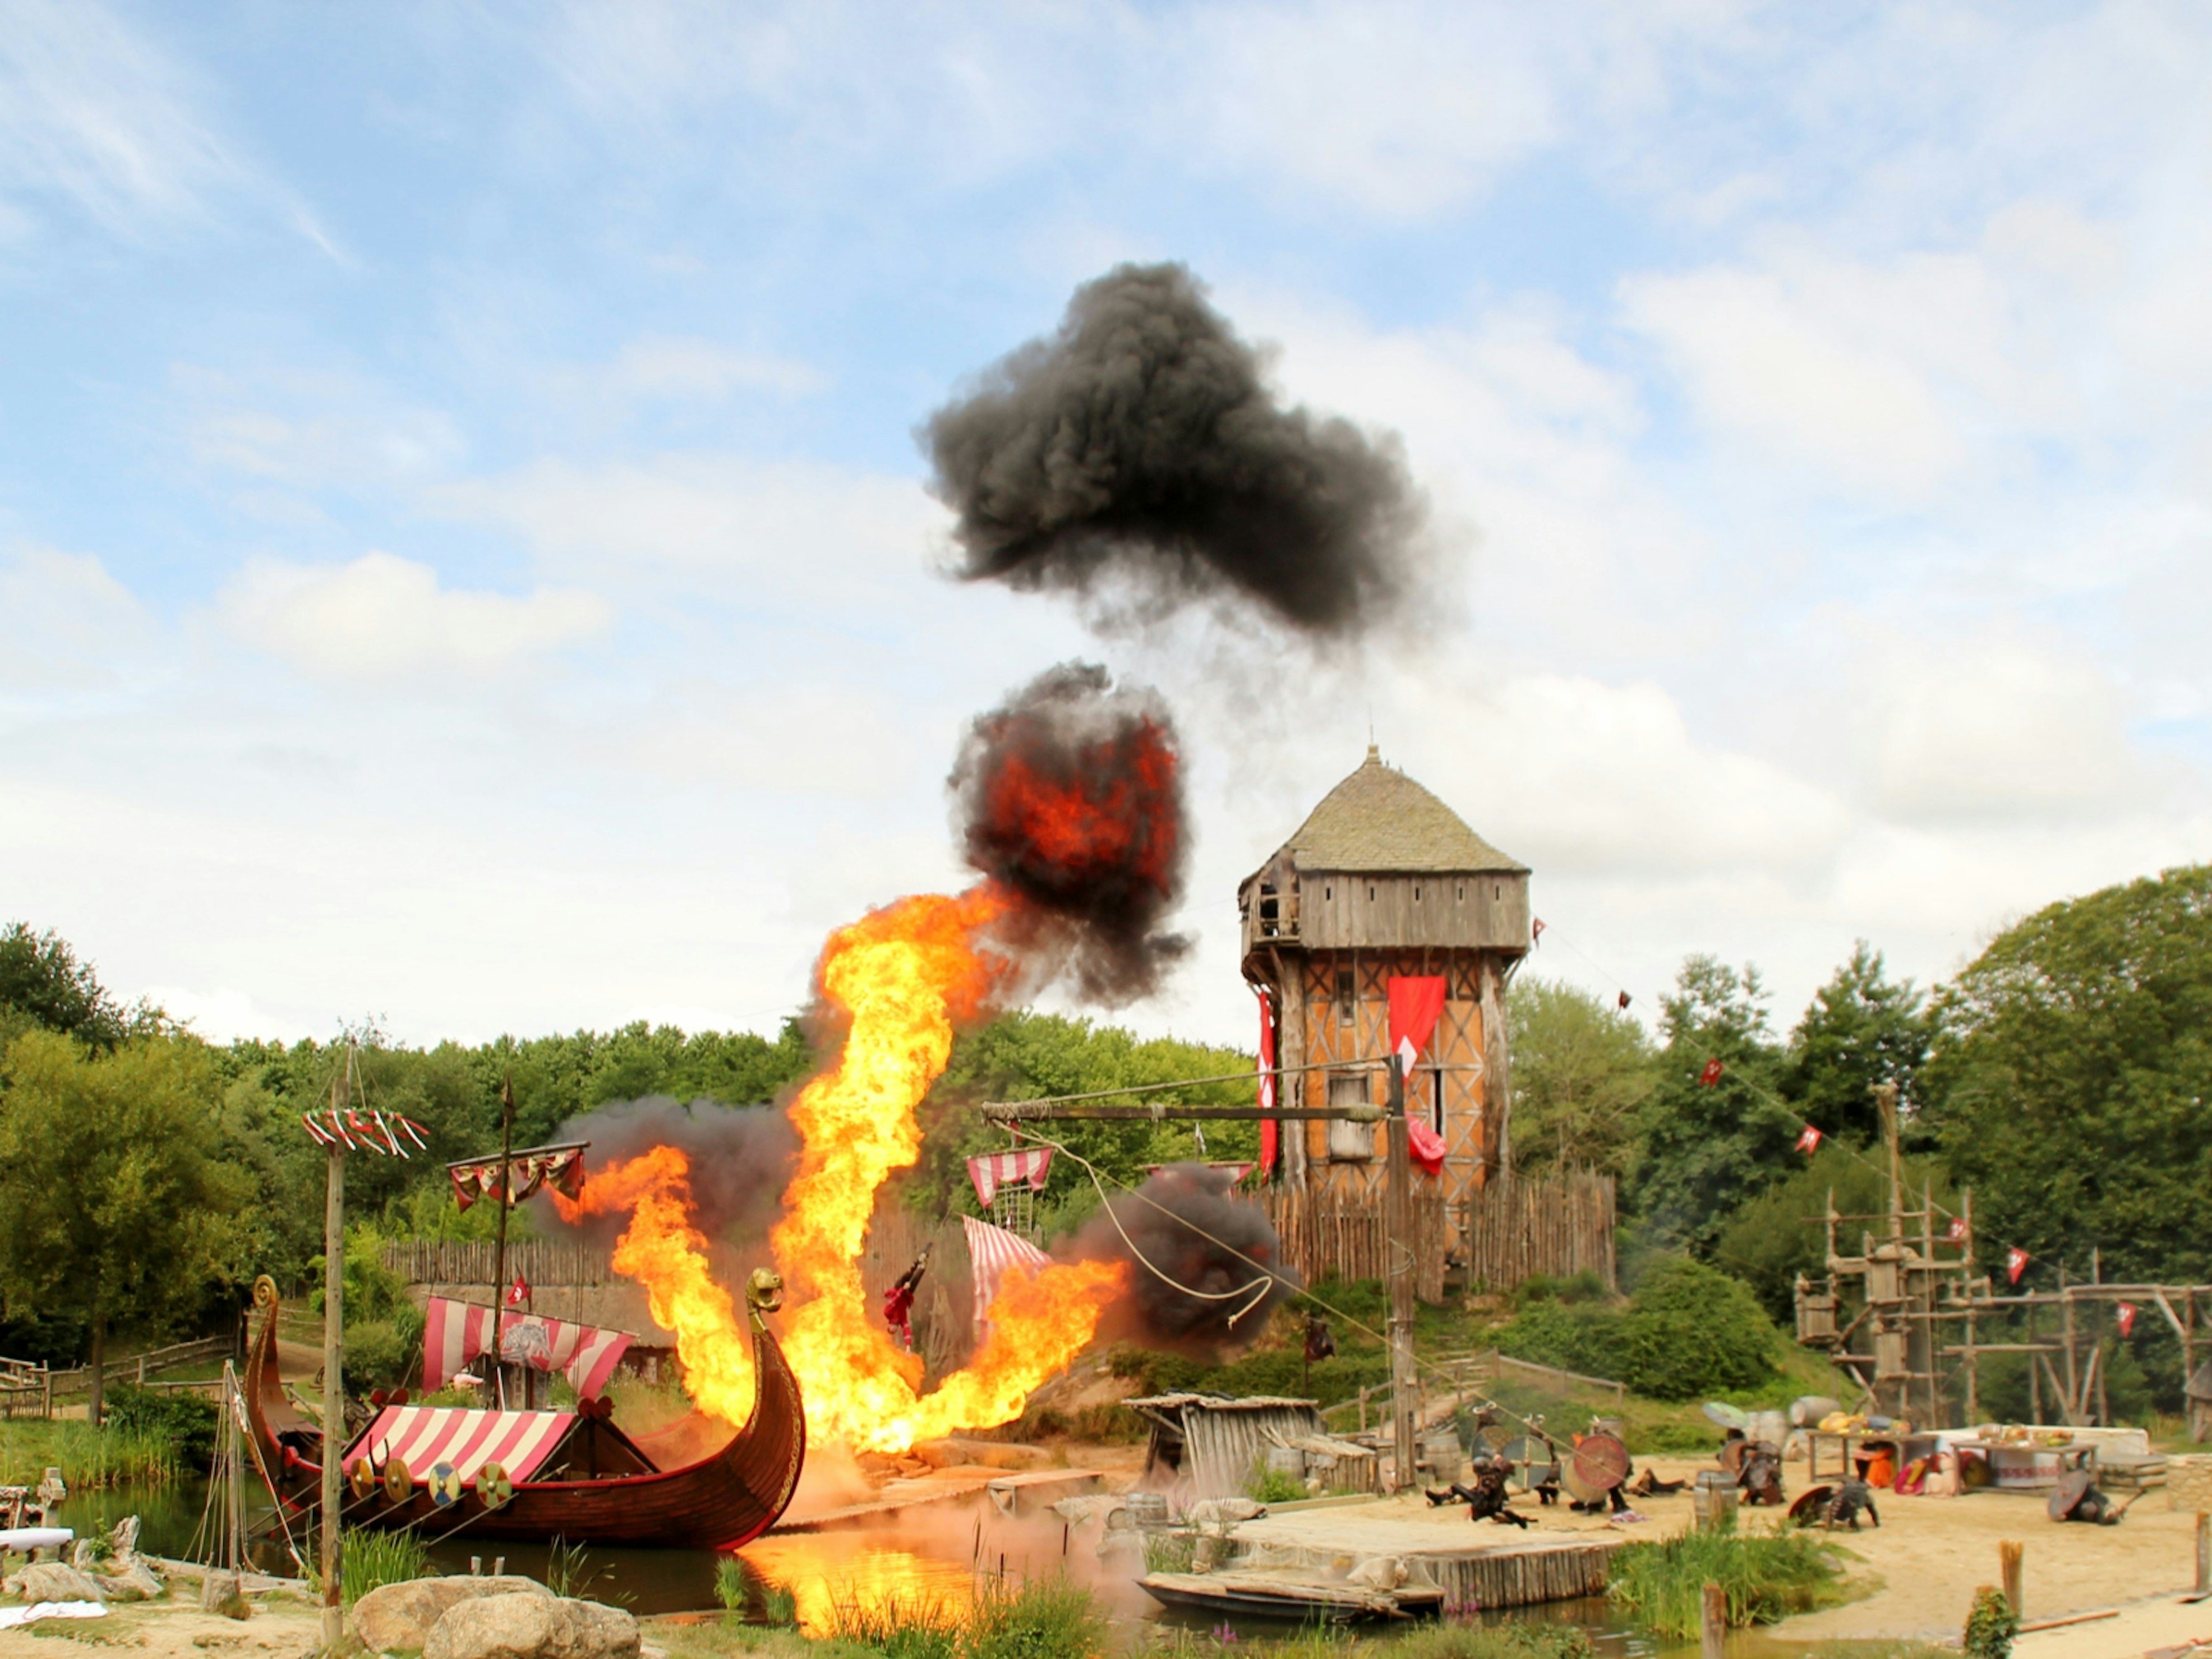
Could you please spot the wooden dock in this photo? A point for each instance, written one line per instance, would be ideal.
(1010, 1491)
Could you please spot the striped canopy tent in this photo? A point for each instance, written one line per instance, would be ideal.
(425, 1437)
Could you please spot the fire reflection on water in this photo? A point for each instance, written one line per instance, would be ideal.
(824, 1571)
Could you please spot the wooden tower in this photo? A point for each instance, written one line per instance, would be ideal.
(1382, 879)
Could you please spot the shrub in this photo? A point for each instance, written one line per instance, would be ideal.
(1692, 1330)
(176, 1417)
(1581, 1337)
(1269, 1485)
(1045, 1618)
(1522, 1639)
(1991, 1625)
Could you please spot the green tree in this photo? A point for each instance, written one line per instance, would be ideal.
(1704, 1147)
(2070, 1083)
(43, 983)
(1582, 1069)
(115, 1206)
(1775, 1235)
(1027, 1056)
(1862, 1028)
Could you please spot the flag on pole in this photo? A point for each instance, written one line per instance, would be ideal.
(1958, 1230)
(1536, 931)
(1809, 1141)
(992, 1170)
(2128, 1311)
(519, 1292)
(1270, 1131)
(1710, 1075)
(2015, 1263)
(1625, 1000)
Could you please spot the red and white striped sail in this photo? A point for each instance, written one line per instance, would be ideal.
(455, 1333)
(424, 1437)
(991, 1251)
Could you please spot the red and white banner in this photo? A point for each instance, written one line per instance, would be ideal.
(995, 1170)
(2128, 1311)
(991, 1251)
(1958, 1229)
(561, 1168)
(519, 1292)
(1416, 1002)
(466, 1437)
(2015, 1263)
(1809, 1141)
(1710, 1075)
(455, 1333)
(1270, 1131)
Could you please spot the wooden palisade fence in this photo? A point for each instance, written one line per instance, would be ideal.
(466, 1261)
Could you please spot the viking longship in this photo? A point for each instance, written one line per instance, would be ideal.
(537, 1476)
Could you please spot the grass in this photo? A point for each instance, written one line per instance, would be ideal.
(1269, 1485)
(373, 1559)
(1044, 1618)
(89, 1459)
(1767, 1576)
(1526, 1639)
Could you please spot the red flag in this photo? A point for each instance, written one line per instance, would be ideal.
(2128, 1312)
(1710, 1075)
(1536, 932)
(1958, 1230)
(2015, 1263)
(1810, 1140)
(1623, 1001)
(1417, 1002)
(519, 1292)
(1270, 1131)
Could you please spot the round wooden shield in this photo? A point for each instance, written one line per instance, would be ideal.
(1810, 1505)
(362, 1477)
(1598, 1464)
(2066, 1496)
(398, 1484)
(445, 1485)
(1535, 1464)
(493, 1487)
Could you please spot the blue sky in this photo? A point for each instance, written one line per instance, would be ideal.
(464, 558)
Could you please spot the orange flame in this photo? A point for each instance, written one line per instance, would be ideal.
(904, 976)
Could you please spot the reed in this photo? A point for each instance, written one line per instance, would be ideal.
(373, 1559)
(1044, 1618)
(1767, 1576)
(90, 1459)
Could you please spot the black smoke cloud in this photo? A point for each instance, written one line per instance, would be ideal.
(1140, 448)
(1174, 1221)
(1070, 795)
(741, 1156)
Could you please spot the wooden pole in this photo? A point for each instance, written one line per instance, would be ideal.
(1398, 1244)
(334, 1435)
(2008, 1562)
(237, 1467)
(1713, 1623)
(2203, 1553)
(499, 1252)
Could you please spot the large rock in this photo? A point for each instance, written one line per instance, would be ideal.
(532, 1627)
(55, 1580)
(396, 1616)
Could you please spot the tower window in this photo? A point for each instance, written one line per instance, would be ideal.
(1370, 895)
(1417, 894)
(1462, 892)
(1328, 892)
(1348, 997)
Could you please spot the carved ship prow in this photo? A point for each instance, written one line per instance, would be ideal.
(537, 1476)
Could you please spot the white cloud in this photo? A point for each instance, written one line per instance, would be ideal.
(92, 113)
(1994, 727)
(682, 368)
(293, 429)
(787, 529)
(226, 1014)
(66, 625)
(382, 616)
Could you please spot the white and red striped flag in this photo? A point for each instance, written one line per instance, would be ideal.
(991, 1251)
(455, 1333)
(995, 1170)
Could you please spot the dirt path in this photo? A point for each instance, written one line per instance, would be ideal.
(175, 1629)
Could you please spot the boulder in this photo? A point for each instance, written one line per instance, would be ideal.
(219, 1593)
(532, 1627)
(124, 1540)
(396, 1616)
(53, 1581)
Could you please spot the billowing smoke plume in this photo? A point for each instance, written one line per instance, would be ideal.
(1180, 1221)
(741, 1156)
(1070, 795)
(1139, 451)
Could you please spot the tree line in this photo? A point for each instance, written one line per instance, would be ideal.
(146, 1176)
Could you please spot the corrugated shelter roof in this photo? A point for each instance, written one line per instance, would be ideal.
(1379, 819)
(1220, 1402)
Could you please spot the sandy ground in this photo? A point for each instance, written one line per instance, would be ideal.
(177, 1629)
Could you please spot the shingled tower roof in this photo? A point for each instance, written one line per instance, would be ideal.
(1379, 819)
